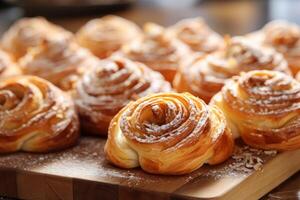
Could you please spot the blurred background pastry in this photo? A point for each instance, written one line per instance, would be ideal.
(206, 75)
(7, 66)
(109, 86)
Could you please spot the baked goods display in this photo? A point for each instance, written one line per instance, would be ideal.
(157, 50)
(284, 37)
(197, 35)
(206, 75)
(263, 108)
(29, 32)
(35, 116)
(58, 60)
(109, 86)
(105, 35)
(168, 133)
(7, 66)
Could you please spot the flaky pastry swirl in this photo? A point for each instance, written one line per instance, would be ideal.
(197, 35)
(35, 116)
(29, 32)
(7, 66)
(168, 133)
(263, 107)
(109, 86)
(106, 35)
(206, 75)
(58, 60)
(284, 37)
(157, 50)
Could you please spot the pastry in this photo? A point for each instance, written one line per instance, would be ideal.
(157, 50)
(263, 107)
(105, 35)
(109, 86)
(168, 133)
(196, 34)
(29, 32)
(58, 60)
(285, 38)
(7, 66)
(35, 116)
(206, 75)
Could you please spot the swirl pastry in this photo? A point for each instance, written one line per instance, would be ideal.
(157, 50)
(206, 75)
(35, 116)
(110, 85)
(196, 34)
(7, 66)
(58, 60)
(263, 107)
(29, 32)
(106, 35)
(168, 133)
(285, 38)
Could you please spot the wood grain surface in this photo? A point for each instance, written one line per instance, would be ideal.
(83, 173)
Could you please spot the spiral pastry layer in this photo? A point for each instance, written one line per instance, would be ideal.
(35, 116)
(7, 66)
(206, 75)
(157, 50)
(29, 32)
(58, 60)
(263, 107)
(168, 133)
(110, 85)
(285, 38)
(196, 34)
(106, 35)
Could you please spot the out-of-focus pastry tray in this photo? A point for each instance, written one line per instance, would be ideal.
(83, 173)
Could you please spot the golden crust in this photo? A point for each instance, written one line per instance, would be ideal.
(196, 34)
(29, 32)
(285, 38)
(168, 133)
(7, 66)
(206, 75)
(158, 50)
(263, 107)
(58, 60)
(35, 116)
(109, 86)
(106, 35)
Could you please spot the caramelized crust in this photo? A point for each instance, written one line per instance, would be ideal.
(58, 60)
(35, 116)
(285, 38)
(29, 32)
(109, 86)
(196, 34)
(106, 35)
(158, 51)
(206, 75)
(168, 133)
(263, 107)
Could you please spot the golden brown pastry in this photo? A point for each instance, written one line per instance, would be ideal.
(263, 107)
(106, 35)
(29, 32)
(7, 66)
(58, 60)
(168, 133)
(35, 116)
(109, 86)
(197, 35)
(206, 75)
(158, 51)
(285, 38)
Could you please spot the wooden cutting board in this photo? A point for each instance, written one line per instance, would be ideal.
(83, 173)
